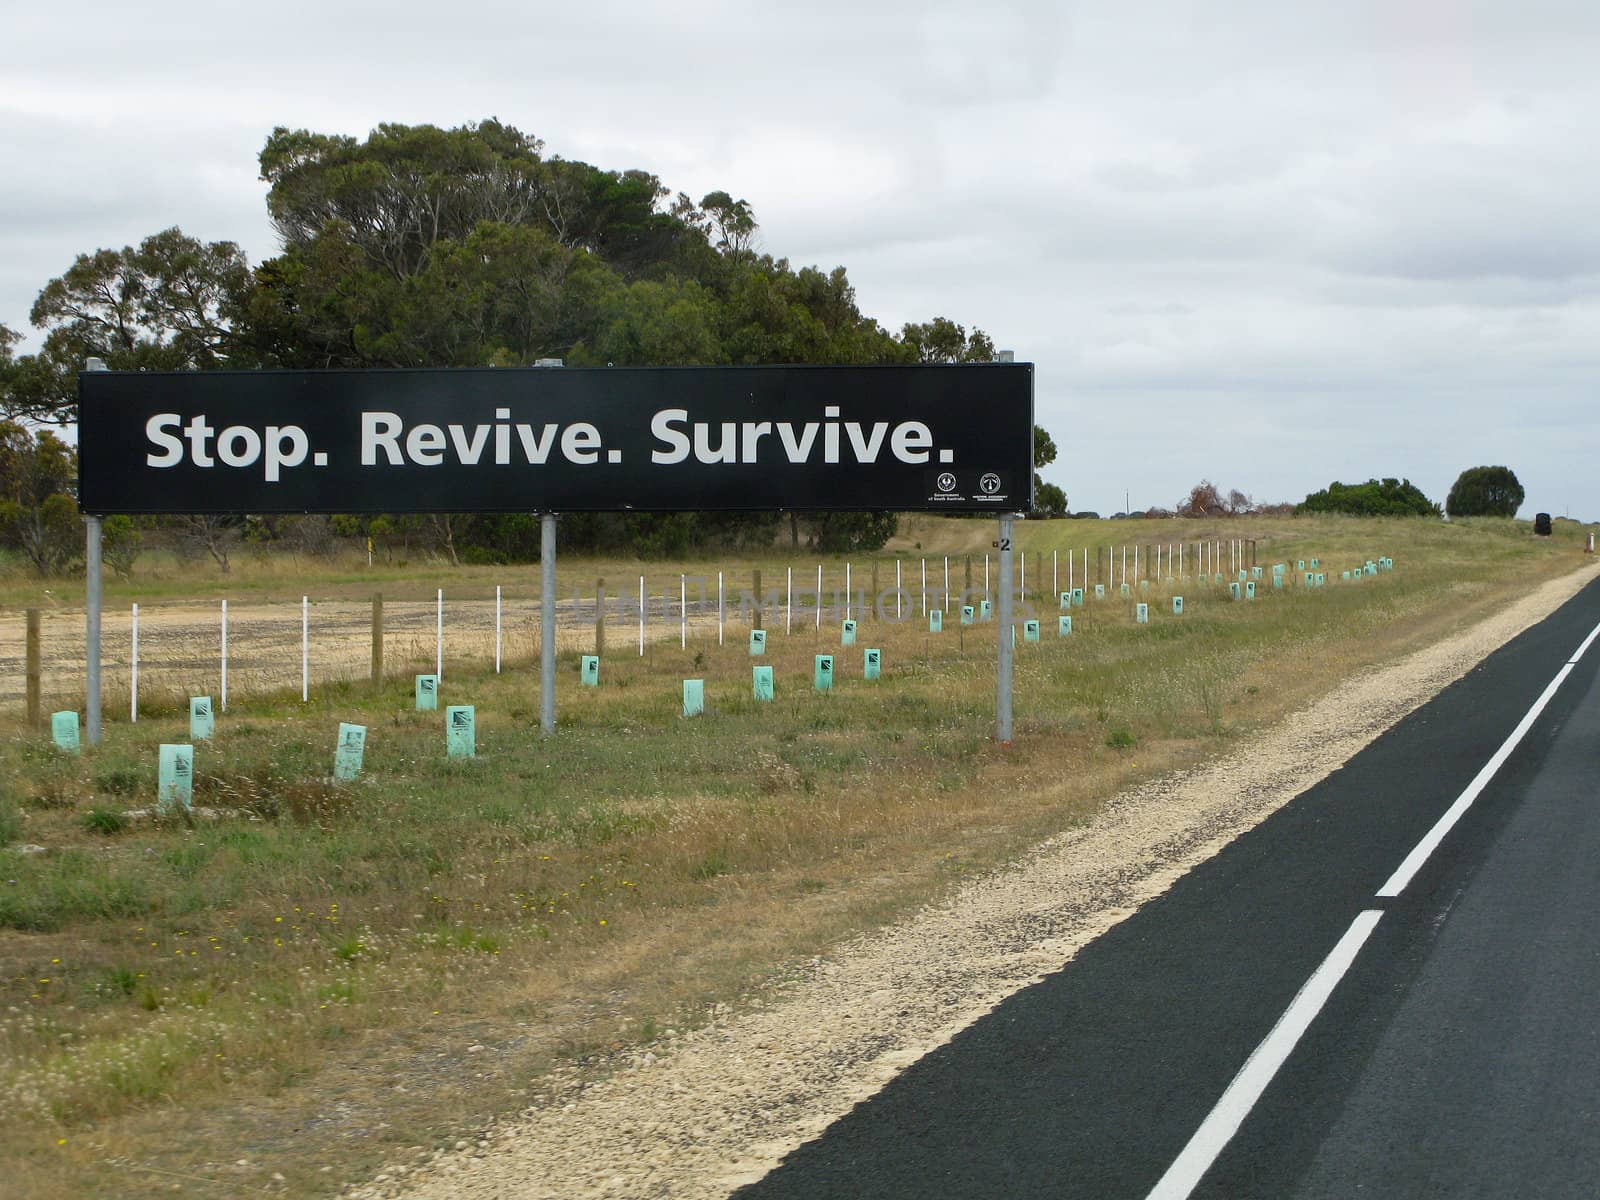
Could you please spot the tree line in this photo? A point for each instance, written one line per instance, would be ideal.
(420, 246)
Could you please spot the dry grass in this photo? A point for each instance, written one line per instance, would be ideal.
(298, 982)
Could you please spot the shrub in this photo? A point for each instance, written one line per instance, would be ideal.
(107, 821)
(1485, 492)
(1374, 498)
(10, 823)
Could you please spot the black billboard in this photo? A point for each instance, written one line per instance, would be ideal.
(953, 438)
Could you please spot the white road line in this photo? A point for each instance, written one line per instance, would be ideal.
(1430, 842)
(1224, 1119)
(1587, 642)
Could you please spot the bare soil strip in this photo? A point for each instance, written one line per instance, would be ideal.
(180, 645)
(723, 1104)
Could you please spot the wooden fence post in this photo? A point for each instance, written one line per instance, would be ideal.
(33, 670)
(377, 639)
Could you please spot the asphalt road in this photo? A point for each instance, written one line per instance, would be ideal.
(1457, 1053)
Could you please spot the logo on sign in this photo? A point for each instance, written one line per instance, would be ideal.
(947, 482)
(990, 483)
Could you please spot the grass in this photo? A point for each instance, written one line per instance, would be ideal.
(302, 946)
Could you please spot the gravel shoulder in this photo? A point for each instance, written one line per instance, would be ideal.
(711, 1109)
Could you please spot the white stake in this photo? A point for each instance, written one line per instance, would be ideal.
(721, 611)
(946, 583)
(683, 613)
(924, 587)
(1024, 572)
(788, 602)
(497, 629)
(819, 597)
(985, 574)
(1054, 579)
(438, 642)
(1070, 561)
(847, 590)
(896, 590)
(134, 668)
(224, 656)
(641, 616)
(305, 648)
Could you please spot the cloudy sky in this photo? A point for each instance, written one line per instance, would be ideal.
(1268, 243)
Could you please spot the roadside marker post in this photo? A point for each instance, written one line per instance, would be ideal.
(349, 751)
(461, 734)
(64, 730)
(202, 721)
(694, 697)
(175, 778)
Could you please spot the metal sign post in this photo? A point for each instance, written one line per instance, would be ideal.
(91, 631)
(1003, 626)
(547, 622)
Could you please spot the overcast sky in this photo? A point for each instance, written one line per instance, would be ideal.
(1268, 243)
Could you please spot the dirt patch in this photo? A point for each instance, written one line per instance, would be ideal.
(180, 644)
(704, 1112)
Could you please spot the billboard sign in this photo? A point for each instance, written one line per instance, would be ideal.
(954, 438)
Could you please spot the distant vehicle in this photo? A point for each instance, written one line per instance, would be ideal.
(1084, 516)
(1541, 524)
